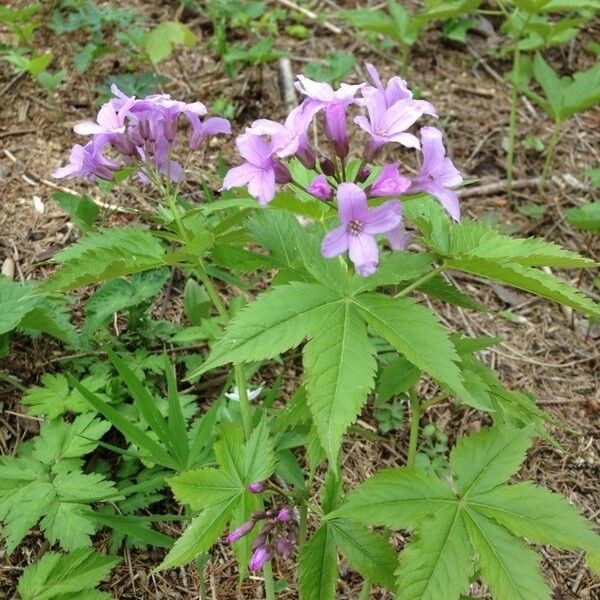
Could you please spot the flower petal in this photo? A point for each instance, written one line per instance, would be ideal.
(383, 218)
(352, 203)
(335, 242)
(239, 176)
(364, 253)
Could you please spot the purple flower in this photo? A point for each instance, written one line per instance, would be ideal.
(284, 546)
(284, 515)
(320, 188)
(260, 556)
(437, 173)
(335, 102)
(109, 119)
(202, 129)
(399, 238)
(389, 182)
(240, 532)
(256, 488)
(389, 123)
(88, 161)
(396, 88)
(258, 172)
(359, 226)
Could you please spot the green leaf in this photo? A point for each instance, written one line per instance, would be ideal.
(276, 321)
(438, 561)
(396, 378)
(486, 459)
(135, 527)
(203, 488)
(200, 535)
(508, 566)
(396, 498)
(132, 432)
(368, 553)
(394, 268)
(105, 254)
(531, 280)
(585, 217)
(159, 42)
(120, 294)
(339, 373)
(82, 210)
(259, 455)
(418, 335)
(19, 310)
(317, 575)
(538, 515)
(55, 574)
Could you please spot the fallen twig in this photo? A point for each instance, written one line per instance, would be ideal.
(311, 15)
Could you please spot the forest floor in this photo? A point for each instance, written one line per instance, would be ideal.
(550, 352)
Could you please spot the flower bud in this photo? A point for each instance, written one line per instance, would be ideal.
(320, 188)
(282, 173)
(327, 166)
(240, 532)
(284, 546)
(261, 555)
(256, 488)
(285, 514)
(363, 174)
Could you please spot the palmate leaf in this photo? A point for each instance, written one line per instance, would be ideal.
(200, 534)
(105, 254)
(317, 574)
(56, 575)
(418, 335)
(340, 371)
(441, 547)
(367, 553)
(478, 516)
(276, 321)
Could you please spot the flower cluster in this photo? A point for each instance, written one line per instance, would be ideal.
(139, 133)
(390, 111)
(274, 537)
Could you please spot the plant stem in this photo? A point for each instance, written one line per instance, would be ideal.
(10, 379)
(302, 525)
(269, 581)
(365, 592)
(240, 382)
(431, 402)
(415, 284)
(512, 126)
(550, 153)
(415, 415)
(212, 291)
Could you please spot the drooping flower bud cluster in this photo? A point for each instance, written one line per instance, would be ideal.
(390, 111)
(276, 536)
(141, 133)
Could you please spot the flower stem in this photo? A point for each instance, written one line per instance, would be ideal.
(269, 581)
(415, 415)
(512, 125)
(240, 382)
(419, 282)
(211, 290)
(550, 153)
(365, 592)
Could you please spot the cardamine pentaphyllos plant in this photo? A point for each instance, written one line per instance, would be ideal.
(250, 472)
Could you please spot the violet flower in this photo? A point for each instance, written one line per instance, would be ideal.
(437, 173)
(320, 188)
(88, 161)
(359, 226)
(256, 487)
(389, 182)
(109, 119)
(260, 556)
(284, 546)
(396, 88)
(238, 533)
(399, 238)
(284, 515)
(335, 102)
(389, 123)
(258, 172)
